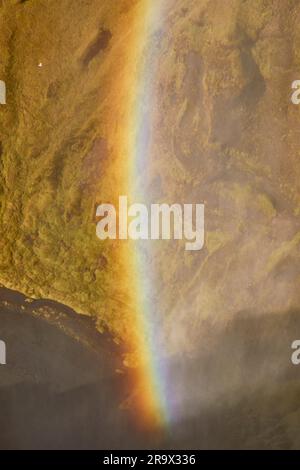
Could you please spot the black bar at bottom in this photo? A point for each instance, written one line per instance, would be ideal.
(136, 458)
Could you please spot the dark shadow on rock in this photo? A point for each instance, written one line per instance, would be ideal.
(100, 43)
(58, 392)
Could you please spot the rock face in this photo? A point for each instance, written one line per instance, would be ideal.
(227, 136)
(62, 62)
(223, 131)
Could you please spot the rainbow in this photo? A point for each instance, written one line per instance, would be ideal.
(150, 379)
